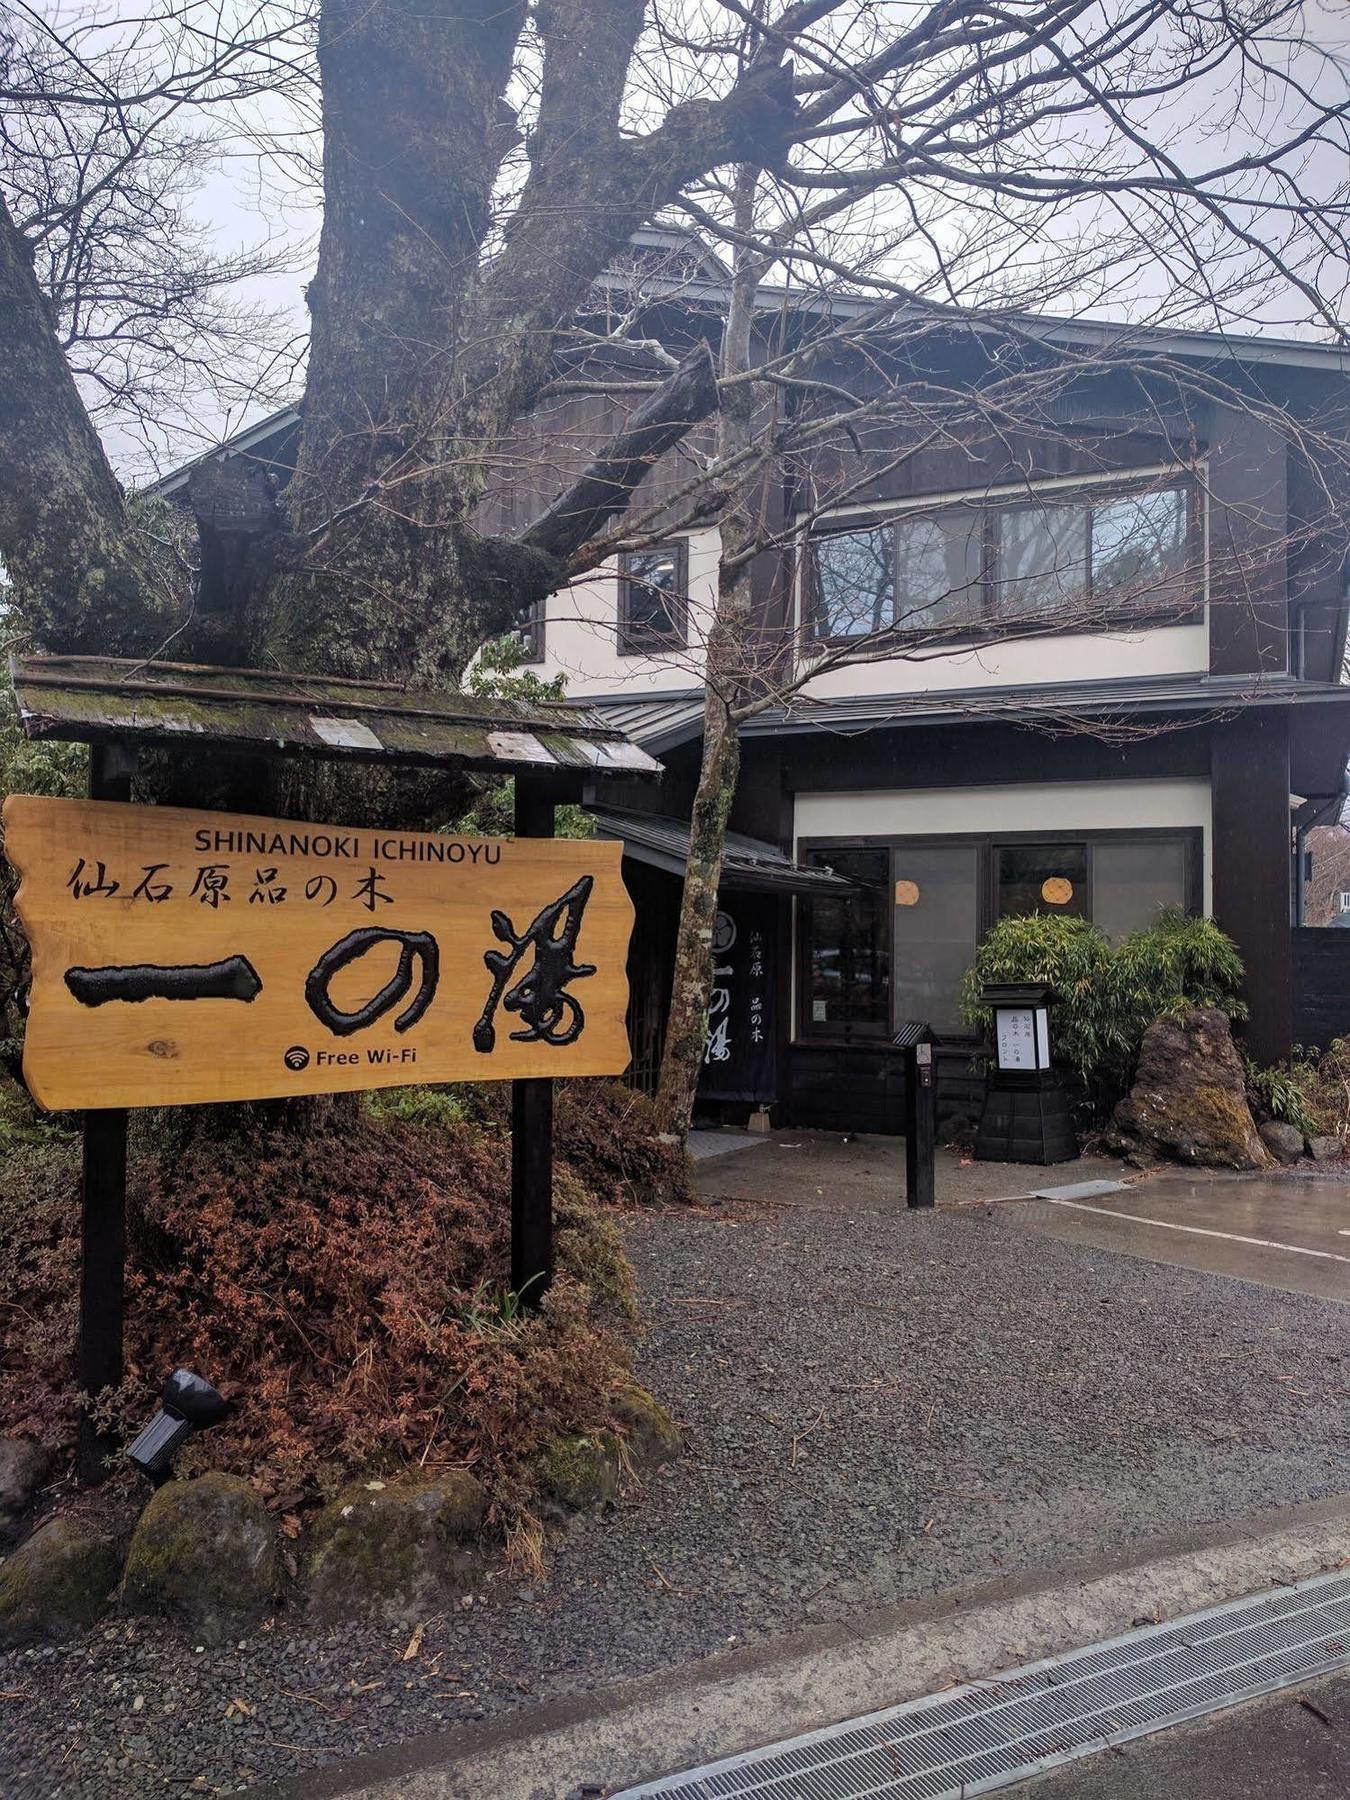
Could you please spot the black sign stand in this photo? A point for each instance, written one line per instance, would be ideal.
(98, 1357)
(99, 1352)
(532, 1119)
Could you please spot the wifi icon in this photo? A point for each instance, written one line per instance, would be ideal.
(297, 1057)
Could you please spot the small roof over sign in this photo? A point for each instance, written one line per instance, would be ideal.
(96, 699)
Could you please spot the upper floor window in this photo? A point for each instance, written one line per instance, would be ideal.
(1077, 559)
(654, 599)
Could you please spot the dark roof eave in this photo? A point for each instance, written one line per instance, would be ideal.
(748, 865)
(1202, 696)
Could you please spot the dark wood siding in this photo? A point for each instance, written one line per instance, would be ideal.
(839, 1087)
(1249, 528)
(552, 446)
(651, 957)
(1252, 852)
(1321, 961)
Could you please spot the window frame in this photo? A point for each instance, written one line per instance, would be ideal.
(531, 630)
(987, 844)
(986, 622)
(632, 639)
(872, 1031)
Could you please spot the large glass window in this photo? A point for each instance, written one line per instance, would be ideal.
(938, 568)
(1111, 554)
(1043, 559)
(897, 947)
(1133, 879)
(1067, 556)
(937, 927)
(1140, 547)
(846, 960)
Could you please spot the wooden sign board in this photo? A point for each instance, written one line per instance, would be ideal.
(192, 956)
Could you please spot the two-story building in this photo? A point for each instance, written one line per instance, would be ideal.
(1099, 644)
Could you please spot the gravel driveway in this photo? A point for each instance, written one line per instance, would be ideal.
(877, 1406)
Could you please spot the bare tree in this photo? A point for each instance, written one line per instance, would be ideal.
(482, 166)
(155, 319)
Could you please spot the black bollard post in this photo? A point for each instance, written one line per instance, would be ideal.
(917, 1040)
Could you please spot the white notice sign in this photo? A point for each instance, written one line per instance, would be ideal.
(1016, 1038)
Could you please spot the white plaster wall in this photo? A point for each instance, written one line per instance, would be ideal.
(1086, 656)
(1168, 804)
(581, 641)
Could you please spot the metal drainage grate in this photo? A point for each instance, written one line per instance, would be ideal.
(974, 1739)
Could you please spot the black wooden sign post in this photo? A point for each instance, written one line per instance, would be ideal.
(532, 1119)
(103, 1213)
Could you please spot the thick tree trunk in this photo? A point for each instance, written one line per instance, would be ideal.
(423, 353)
(729, 659)
(691, 983)
(82, 581)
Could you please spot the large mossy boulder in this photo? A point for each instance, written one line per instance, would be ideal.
(206, 1551)
(395, 1550)
(57, 1582)
(1189, 1099)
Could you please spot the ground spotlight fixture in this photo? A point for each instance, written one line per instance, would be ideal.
(189, 1403)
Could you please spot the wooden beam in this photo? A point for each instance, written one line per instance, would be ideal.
(920, 1125)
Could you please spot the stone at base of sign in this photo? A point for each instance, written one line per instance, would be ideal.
(580, 1473)
(651, 1437)
(583, 1473)
(204, 1550)
(57, 1582)
(393, 1550)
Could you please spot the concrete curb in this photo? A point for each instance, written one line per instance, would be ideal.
(722, 1705)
